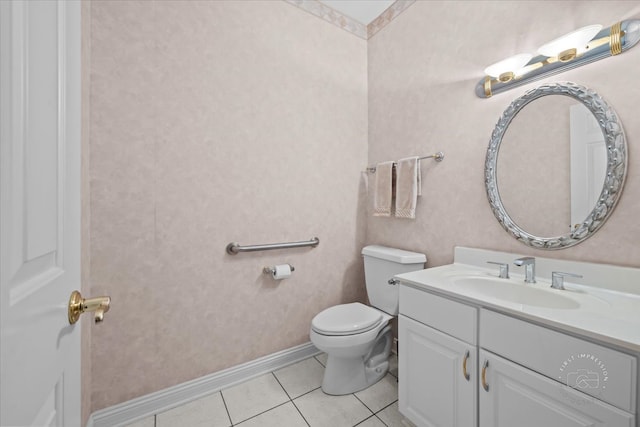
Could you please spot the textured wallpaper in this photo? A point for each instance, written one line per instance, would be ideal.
(213, 122)
(253, 121)
(423, 69)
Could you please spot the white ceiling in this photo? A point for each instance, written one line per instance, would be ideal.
(363, 11)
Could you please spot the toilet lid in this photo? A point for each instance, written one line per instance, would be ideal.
(346, 319)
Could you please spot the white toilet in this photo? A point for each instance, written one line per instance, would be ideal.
(356, 337)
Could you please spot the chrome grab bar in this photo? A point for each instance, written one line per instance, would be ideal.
(234, 248)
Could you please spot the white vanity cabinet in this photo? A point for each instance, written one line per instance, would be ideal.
(438, 369)
(512, 395)
(434, 389)
(515, 370)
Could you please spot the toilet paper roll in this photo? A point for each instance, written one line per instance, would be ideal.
(281, 271)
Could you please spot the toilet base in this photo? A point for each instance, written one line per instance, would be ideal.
(346, 375)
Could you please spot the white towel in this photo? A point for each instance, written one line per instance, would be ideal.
(408, 183)
(383, 189)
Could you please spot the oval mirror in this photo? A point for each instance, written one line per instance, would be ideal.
(554, 171)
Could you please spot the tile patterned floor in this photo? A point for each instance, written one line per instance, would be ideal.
(290, 397)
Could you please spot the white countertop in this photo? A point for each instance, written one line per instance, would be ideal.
(606, 314)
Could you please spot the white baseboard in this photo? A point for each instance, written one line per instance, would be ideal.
(144, 406)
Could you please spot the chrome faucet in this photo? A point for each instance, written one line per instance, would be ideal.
(557, 279)
(529, 268)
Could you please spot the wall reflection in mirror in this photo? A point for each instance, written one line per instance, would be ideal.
(552, 164)
(551, 179)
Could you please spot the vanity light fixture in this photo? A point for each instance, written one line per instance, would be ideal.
(507, 69)
(572, 50)
(570, 45)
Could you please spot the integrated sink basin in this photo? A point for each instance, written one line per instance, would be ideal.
(598, 301)
(517, 293)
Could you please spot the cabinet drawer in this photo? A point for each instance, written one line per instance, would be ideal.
(445, 315)
(606, 374)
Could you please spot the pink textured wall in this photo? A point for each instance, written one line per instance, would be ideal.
(422, 72)
(221, 121)
(213, 122)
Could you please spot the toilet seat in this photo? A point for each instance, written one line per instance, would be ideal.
(346, 319)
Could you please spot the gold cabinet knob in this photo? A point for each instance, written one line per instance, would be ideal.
(78, 305)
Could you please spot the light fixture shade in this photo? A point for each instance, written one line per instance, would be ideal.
(577, 39)
(509, 65)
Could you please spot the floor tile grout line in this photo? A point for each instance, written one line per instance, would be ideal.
(301, 414)
(281, 386)
(376, 414)
(323, 365)
(305, 393)
(380, 419)
(373, 414)
(368, 418)
(386, 406)
(365, 405)
(225, 407)
(316, 359)
(291, 400)
(261, 413)
(266, 410)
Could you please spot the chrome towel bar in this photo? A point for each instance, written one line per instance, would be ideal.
(234, 248)
(438, 157)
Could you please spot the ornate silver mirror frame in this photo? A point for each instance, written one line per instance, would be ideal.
(615, 172)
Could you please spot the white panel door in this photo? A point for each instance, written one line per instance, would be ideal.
(516, 396)
(433, 388)
(588, 162)
(40, 211)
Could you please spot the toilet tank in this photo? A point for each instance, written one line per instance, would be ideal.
(381, 264)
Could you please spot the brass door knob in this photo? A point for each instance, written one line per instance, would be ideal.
(78, 305)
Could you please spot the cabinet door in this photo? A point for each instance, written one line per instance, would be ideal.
(433, 389)
(511, 395)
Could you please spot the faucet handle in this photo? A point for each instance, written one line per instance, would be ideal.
(557, 279)
(504, 269)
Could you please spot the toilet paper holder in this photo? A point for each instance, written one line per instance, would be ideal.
(271, 270)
